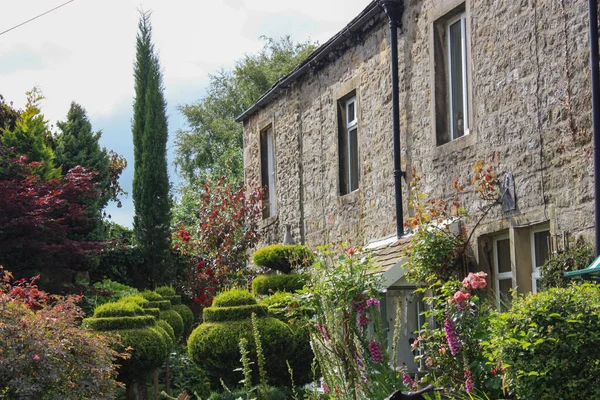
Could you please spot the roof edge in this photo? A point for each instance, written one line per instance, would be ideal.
(320, 52)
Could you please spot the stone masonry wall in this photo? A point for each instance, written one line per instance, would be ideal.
(530, 115)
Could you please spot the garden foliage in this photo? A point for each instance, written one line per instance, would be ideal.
(45, 353)
(268, 284)
(284, 258)
(574, 258)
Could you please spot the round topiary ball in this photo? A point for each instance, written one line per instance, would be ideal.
(234, 297)
(187, 315)
(215, 347)
(150, 349)
(175, 320)
(284, 258)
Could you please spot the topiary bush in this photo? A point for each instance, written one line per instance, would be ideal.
(284, 258)
(268, 284)
(155, 312)
(167, 328)
(214, 346)
(127, 309)
(187, 315)
(173, 319)
(115, 323)
(165, 291)
(163, 305)
(134, 298)
(218, 314)
(234, 297)
(549, 343)
(151, 296)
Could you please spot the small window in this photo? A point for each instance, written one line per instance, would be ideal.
(267, 170)
(540, 252)
(451, 76)
(348, 144)
(502, 271)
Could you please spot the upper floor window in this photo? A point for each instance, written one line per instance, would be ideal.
(267, 172)
(348, 144)
(451, 76)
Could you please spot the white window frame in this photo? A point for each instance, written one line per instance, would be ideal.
(271, 172)
(535, 271)
(500, 276)
(351, 125)
(462, 17)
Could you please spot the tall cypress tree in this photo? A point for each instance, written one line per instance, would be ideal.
(151, 189)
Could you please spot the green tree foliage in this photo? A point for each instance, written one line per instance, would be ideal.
(212, 143)
(8, 115)
(151, 196)
(31, 136)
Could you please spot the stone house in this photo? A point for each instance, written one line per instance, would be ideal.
(506, 82)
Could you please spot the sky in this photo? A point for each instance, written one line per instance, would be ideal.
(84, 52)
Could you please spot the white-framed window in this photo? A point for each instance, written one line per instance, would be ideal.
(502, 270)
(267, 169)
(456, 39)
(348, 145)
(540, 252)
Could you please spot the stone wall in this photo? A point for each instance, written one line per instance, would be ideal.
(530, 116)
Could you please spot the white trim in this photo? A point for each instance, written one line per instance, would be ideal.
(462, 17)
(535, 271)
(351, 125)
(271, 172)
(500, 276)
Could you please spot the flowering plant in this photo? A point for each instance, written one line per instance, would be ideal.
(347, 338)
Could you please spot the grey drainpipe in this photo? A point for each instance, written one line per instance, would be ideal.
(593, 16)
(394, 10)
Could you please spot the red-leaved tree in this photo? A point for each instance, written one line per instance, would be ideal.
(218, 243)
(42, 222)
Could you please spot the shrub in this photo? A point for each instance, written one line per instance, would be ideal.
(185, 375)
(45, 354)
(175, 300)
(149, 352)
(573, 259)
(163, 305)
(115, 323)
(214, 346)
(167, 328)
(128, 309)
(117, 290)
(187, 315)
(272, 393)
(155, 312)
(234, 297)
(267, 284)
(134, 298)
(218, 314)
(173, 319)
(165, 291)
(151, 296)
(284, 258)
(549, 343)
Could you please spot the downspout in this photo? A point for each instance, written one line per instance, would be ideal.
(593, 16)
(394, 10)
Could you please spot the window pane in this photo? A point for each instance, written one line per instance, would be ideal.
(350, 112)
(353, 139)
(540, 244)
(503, 255)
(456, 78)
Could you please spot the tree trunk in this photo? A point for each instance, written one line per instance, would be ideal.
(168, 376)
(130, 391)
(155, 376)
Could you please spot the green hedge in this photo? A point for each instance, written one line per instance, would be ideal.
(234, 297)
(161, 304)
(119, 309)
(218, 314)
(151, 296)
(173, 319)
(549, 343)
(165, 291)
(114, 323)
(155, 312)
(175, 300)
(168, 330)
(150, 349)
(284, 258)
(187, 315)
(134, 298)
(215, 347)
(268, 284)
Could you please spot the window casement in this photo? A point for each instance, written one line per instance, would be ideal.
(267, 172)
(451, 76)
(540, 252)
(503, 273)
(348, 144)
(457, 75)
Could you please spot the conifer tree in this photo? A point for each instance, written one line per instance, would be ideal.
(151, 197)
